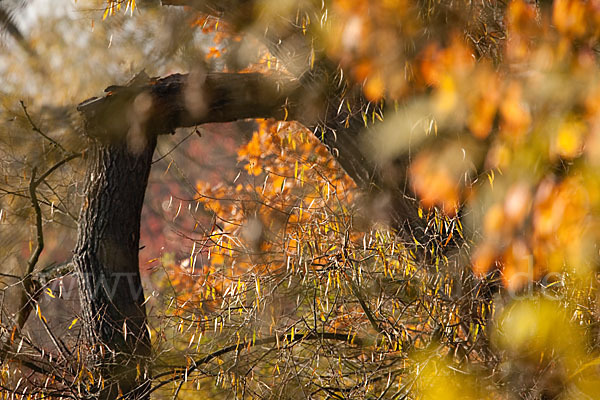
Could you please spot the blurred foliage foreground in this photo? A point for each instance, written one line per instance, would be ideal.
(290, 292)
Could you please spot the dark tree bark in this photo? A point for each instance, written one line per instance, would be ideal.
(106, 260)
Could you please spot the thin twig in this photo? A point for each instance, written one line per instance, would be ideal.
(2, 274)
(17, 194)
(65, 210)
(38, 130)
(56, 166)
(178, 390)
(174, 147)
(362, 302)
(58, 343)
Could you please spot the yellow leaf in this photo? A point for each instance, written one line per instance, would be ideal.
(73, 323)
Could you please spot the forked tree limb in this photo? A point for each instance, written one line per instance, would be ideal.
(185, 100)
(160, 106)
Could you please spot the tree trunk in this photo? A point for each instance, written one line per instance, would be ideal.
(106, 260)
(123, 127)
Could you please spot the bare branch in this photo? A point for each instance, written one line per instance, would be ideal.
(28, 284)
(38, 130)
(180, 373)
(28, 295)
(55, 167)
(184, 101)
